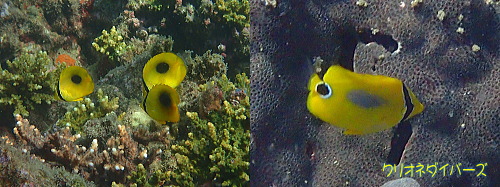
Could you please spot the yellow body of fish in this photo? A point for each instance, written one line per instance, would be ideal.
(360, 103)
(74, 84)
(161, 75)
(161, 103)
(164, 68)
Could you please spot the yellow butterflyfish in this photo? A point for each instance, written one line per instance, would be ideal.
(164, 68)
(74, 84)
(360, 103)
(161, 104)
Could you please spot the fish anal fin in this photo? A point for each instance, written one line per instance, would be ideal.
(352, 132)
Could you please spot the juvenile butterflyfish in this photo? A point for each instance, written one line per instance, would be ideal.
(164, 68)
(360, 103)
(161, 104)
(74, 84)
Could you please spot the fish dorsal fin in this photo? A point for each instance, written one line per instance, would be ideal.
(337, 71)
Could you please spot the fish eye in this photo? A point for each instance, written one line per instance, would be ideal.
(76, 79)
(324, 90)
(162, 67)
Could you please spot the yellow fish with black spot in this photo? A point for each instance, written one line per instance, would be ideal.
(74, 84)
(161, 104)
(360, 103)
(164, 68)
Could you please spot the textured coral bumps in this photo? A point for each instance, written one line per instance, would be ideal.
(453, 79)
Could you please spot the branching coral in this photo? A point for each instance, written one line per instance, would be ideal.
(215, 148)
(110, 43)
(119, 156)
(235, 11)
(27, 82)
(20, 169)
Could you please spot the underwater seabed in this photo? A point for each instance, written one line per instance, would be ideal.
(447, 52)
(105, 138)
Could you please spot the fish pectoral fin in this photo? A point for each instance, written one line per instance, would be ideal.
(352, 132)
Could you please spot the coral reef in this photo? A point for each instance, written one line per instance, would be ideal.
(50, 26)
(110, 43)
(20, 169)
(101, 162)
(27, 82)
(215, 148)
(107, 138)
(202, 68)
(453, 81)
(215, 23)
(79, 112)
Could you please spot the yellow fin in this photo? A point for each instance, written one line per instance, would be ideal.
(418, 107)
(164, 68)
(161, 103)
(74, 84)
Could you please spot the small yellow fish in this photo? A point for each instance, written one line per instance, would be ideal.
(74, 84)
(164, 68)
(360, 103)
(161, 104)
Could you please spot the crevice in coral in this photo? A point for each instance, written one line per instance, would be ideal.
(347, 47)
(402, 134)
(387, 41)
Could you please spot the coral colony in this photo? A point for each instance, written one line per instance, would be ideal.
(106, 138)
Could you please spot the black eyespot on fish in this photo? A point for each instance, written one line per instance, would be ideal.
(324, 90)
(162, 67)
(74, 83)
(165, 99)
(76, 79)
(161, 104)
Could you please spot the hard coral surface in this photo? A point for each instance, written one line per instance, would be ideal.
(458, 84)
(129, 148)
